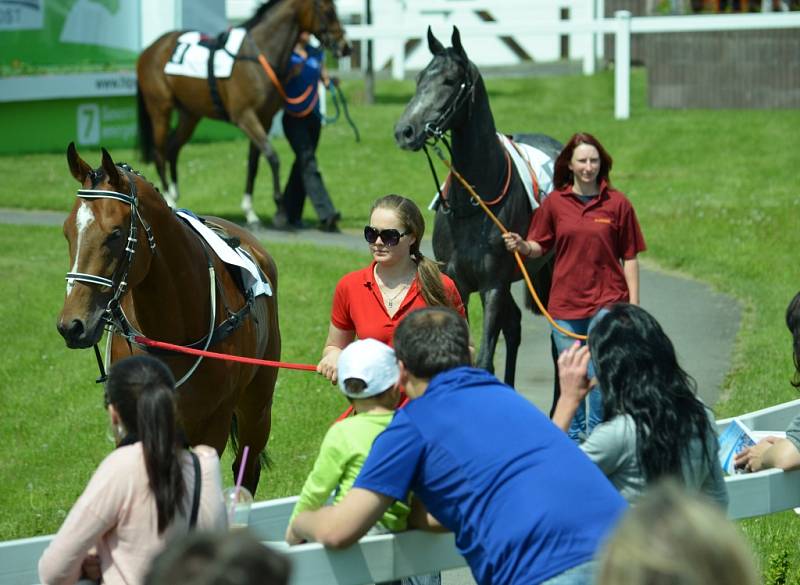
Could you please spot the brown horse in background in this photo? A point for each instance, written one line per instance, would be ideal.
(161, 285)
(250, 96)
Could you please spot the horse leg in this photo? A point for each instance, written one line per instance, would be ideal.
(249, 123)
(213, 429)
(252, 170)
(492, 319)
(512, 333)
(186, 124)
(160, 119)
(254, 422)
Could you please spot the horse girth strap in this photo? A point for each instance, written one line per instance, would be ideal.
(115, 314)
(221, 332)
(213, 87)
(225, 329)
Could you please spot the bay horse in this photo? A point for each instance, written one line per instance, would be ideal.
(136, 267)
(451, 96)
(249, 98)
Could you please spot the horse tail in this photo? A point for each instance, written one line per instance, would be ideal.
(145, 134)
(263, 458)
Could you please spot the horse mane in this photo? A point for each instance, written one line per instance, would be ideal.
(96, 175)
(259, 14)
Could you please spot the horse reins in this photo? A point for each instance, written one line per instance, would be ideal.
(337, 95)
(485, 206)
(465, 94)
(114, 315)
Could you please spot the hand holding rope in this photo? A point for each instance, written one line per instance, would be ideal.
(503, 230)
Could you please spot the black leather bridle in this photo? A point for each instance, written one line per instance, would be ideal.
(113, 314)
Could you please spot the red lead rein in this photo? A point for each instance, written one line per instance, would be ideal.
(222, 356)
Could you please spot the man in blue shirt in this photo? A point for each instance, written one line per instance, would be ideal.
(525, 504)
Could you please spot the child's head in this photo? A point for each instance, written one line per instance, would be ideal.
(367, 368)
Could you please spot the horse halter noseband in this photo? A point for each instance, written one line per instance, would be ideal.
(112, 311)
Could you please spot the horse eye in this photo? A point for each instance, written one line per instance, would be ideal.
(115, 234)
(449, 82)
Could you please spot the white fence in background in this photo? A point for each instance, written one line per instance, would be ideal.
(418, 14)
(377, 559)
(622, 26)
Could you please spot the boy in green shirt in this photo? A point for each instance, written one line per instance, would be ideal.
(368, 373)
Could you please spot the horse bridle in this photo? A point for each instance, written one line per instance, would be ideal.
(113, 314)
(465, 92)
(435, 131)
(323, 34)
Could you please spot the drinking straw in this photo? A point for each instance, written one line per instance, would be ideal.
(241, 469)
(239, 481)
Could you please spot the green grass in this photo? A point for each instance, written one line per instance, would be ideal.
(715, 193)
(54, 426)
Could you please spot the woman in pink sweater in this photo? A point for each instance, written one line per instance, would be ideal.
(147, 491)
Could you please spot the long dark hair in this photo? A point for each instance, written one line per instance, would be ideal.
(640, 376)
(562, 176)
(430, 277)
(142, 390)
(793, 323)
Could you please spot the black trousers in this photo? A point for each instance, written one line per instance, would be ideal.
(305, 178)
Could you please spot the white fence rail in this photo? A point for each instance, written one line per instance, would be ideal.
(376, 559)
(622, 27)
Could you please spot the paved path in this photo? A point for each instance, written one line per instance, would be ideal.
(701, 323)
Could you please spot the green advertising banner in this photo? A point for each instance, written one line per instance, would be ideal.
(50, 125)
(68, 34)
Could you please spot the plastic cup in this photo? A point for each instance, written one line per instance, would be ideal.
(238, 504)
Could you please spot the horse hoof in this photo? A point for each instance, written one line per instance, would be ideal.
(280, 221)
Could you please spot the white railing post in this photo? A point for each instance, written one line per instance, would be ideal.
(399, 53)
(599, 37)
(589, 56)
(622, 65)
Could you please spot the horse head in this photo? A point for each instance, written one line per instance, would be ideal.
(444, 87)
(319, 18)
(101, 231)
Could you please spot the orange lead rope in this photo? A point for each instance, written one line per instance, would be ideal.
(277, 83)
(503, 230)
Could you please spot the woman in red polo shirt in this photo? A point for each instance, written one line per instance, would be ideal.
(372, 301)
(597, 239)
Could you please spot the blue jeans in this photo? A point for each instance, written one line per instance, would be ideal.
(579, 429)
(583, 574)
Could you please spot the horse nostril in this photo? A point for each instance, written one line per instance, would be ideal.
(72, 330)
(408, 132)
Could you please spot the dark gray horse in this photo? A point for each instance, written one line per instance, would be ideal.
(451, 96)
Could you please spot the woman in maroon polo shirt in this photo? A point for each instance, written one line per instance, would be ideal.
(597, 238)
(372, 301)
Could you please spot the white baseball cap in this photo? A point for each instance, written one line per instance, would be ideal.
(371, 361)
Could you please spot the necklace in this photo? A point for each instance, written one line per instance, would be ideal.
(390, 302)
(385, 290)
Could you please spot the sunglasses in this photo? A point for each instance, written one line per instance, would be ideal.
(390, 237)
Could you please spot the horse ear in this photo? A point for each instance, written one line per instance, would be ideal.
(456, 42)
(112, 172)
(77, 166)
(434, 45)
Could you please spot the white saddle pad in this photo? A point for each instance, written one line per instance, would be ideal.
(190, 59)
(253, 278)
(526, 159)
